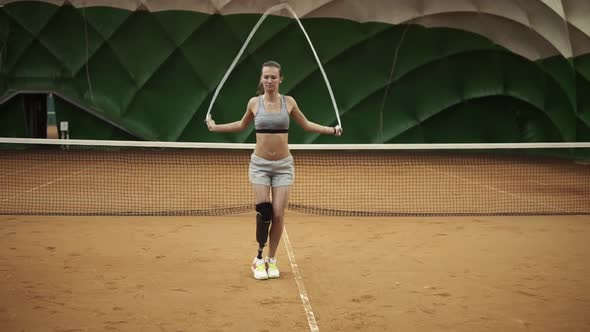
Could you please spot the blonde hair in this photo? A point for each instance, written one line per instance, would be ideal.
(260, 89)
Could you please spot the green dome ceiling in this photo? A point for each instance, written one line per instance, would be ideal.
(471, 71)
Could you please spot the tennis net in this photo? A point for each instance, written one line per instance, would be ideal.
(84, 177)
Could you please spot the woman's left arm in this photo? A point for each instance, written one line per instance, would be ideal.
(307, 125)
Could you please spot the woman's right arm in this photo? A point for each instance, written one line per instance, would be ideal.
(233, 127)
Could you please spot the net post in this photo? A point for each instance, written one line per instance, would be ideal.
(65, 132)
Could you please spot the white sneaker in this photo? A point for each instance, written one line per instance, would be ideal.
(272, 269)
(259, 269)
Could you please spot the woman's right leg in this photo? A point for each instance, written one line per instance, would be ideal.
(261, 193)
(262, 196)
(264, 214)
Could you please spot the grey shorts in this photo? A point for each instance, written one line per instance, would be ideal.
(272, 173)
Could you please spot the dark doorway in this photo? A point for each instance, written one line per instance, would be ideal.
(35, 105)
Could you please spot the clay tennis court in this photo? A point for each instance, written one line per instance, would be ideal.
(371, 274)
(191, 273)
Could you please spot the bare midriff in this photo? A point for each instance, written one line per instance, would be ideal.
(272, 146)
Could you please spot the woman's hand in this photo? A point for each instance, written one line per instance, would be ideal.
(210, 123)
(337, 131)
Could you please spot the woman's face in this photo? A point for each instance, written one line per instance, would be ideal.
(271, 78)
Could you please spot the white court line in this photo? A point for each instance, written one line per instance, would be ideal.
(41, 186)
(313, 325)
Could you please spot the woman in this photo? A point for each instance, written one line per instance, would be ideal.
(271, 164)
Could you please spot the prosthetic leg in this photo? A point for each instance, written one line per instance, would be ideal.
(263, 221)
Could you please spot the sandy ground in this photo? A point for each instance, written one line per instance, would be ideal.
(369, 274)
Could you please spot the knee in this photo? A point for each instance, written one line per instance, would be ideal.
(264, 210)
(278, 218)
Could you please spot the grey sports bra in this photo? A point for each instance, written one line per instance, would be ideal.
(271, 122)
